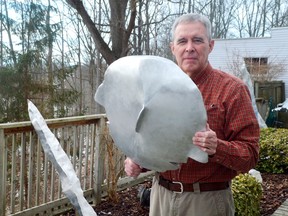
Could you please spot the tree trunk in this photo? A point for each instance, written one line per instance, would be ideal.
(49, 64)
(119, 33)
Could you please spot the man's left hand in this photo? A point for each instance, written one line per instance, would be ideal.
(206, 140)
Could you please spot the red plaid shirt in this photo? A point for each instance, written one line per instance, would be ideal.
(231, 116)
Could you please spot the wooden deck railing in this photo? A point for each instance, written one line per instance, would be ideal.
(29, 184)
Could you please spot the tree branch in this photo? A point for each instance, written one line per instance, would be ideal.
(101, 45)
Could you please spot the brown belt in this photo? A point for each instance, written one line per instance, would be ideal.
(182, 187)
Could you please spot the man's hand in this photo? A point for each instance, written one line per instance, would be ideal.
(206, 140)
(132, 169)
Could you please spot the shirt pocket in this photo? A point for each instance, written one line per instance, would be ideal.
(215, 115)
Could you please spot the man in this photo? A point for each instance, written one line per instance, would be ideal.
(231, 137)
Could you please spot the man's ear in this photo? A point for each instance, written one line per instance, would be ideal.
(172, 47)
(211, 45)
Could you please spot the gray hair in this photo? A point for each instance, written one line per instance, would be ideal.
(190, 18)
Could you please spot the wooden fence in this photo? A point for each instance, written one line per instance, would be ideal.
(29, 184)
(273, 90)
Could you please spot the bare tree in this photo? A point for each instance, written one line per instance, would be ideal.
(49, 58)
(8, 30)
(220, 14)
(279, 17)
(255, 18)
(145, 33)
(119, 33)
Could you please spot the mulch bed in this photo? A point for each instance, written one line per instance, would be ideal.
(275, 192)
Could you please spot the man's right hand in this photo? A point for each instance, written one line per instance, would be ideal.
(132, 169)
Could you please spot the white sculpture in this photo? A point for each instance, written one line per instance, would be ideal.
(154, 110)
(247, 79)
(52, 148)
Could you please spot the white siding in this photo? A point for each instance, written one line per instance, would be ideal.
(275, 48)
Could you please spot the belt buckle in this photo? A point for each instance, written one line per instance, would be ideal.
(181, 187)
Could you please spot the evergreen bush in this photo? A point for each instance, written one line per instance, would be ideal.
(273, 150)
(247, 192)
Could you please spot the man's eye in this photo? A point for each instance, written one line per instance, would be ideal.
(198, 40)
(181, 41)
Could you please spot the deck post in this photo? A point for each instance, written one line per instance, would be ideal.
(2, 173)
(99, 160)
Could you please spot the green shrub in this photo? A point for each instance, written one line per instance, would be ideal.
(273, 150)
(247, 192)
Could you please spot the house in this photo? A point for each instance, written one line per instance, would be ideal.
(270, 51)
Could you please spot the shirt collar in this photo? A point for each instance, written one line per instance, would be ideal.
(199, 78)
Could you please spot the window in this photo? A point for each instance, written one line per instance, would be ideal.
(257, 65)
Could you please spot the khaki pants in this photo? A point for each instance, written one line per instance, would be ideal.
(168, 203)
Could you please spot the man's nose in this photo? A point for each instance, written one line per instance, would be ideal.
(190, 47)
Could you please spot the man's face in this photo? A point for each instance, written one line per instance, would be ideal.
(191, 47)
